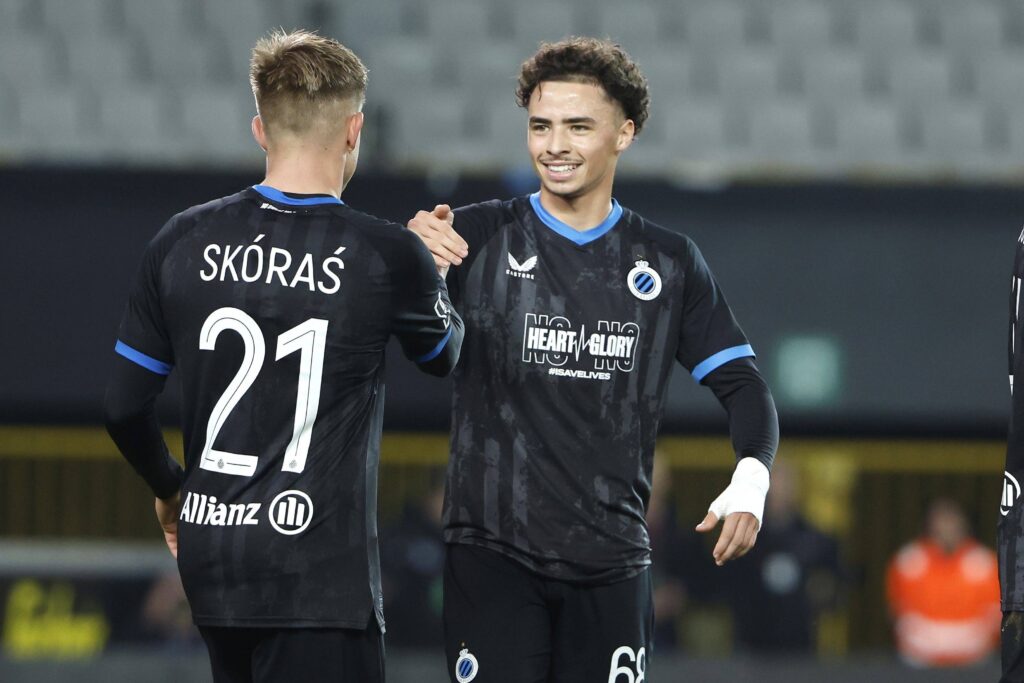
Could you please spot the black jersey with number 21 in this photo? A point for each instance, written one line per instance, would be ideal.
(570, 340)
(275, 310)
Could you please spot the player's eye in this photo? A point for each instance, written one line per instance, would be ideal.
(580, 128)
(538, 127)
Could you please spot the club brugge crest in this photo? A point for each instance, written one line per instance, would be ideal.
(644, 281)
(466, 666)
(1011, 492)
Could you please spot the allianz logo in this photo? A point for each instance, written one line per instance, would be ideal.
(289, 513)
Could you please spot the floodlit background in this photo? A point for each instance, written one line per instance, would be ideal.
(851, 169)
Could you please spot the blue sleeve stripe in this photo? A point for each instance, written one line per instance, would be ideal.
(706, 367)
(138, 357)
(436, 351)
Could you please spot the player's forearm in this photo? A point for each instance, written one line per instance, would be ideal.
(444, 362)
(753, 420)
(130, 416)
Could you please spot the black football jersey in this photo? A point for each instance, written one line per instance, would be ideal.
(570, 340)
(275, 310)
(1011, 519)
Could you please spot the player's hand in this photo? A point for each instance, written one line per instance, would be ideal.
(739, 533)
(436, 231)
(741, 505)
(167, 515)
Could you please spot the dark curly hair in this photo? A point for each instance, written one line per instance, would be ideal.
(588, 60)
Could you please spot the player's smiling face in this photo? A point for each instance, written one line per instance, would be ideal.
(576, 133)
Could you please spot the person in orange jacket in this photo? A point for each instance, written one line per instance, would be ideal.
(943, 592)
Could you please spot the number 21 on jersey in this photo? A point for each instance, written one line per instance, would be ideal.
(310, 339)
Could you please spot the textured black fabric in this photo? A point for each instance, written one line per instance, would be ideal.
(271, 655)
(520, 627)
(753, 421)
(562, 383)
(276, 311)
(1010, 528)
(130, 416)
(1012, 654)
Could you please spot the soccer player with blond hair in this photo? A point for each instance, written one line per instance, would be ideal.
(576, 310)
(273, 520)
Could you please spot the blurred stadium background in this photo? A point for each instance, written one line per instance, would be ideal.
(852, 170)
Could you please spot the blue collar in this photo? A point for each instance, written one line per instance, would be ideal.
(276, 195)
(580, 237)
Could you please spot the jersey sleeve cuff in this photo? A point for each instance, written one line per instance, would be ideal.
(139, 358)
(436, 351)
(712, 363)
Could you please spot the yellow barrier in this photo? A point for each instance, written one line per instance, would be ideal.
(700, 452)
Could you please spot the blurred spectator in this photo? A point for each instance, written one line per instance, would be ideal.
(412, 558)
(793, 573)
(681, 562)
(166, 615)
(943, 592)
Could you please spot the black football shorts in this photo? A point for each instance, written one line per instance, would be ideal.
(310, 655)
(506, 624)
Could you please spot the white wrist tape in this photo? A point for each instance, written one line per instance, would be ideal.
(746, 492)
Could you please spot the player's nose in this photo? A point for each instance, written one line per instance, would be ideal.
(558, 141)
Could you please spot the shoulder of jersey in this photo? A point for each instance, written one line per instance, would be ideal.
(182, 222)
(668, 239)
(200, 211)
(496, 206)
(372, 223)
(493, 212)
(380, 234)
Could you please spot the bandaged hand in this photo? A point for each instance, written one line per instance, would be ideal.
(741, 505)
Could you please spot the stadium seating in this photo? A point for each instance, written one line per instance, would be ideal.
(216, 122)
(834, 76)
(31, 58)
(80, 19)
(955, 135)
(781, 134)
(885, 26)
(839, 81)
(715, 26)
(998, 78)
(535, 21)
(697, 130)
(868, 134)
(57, 123)
(970, 27)
(636, 25)
(920, 77)
(799, 26)
(746, 77)
(100, 62)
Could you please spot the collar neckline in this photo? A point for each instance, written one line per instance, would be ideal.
(579, 237)
(292, 199)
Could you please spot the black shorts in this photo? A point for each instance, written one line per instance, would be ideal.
(1012, 637)
(271, 655)
(506, 624)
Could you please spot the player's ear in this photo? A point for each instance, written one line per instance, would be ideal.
(353, 129)
(258, 132)
(627, 131)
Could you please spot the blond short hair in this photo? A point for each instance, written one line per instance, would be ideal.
(300, 80)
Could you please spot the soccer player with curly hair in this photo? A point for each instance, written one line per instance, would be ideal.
(576, 309)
